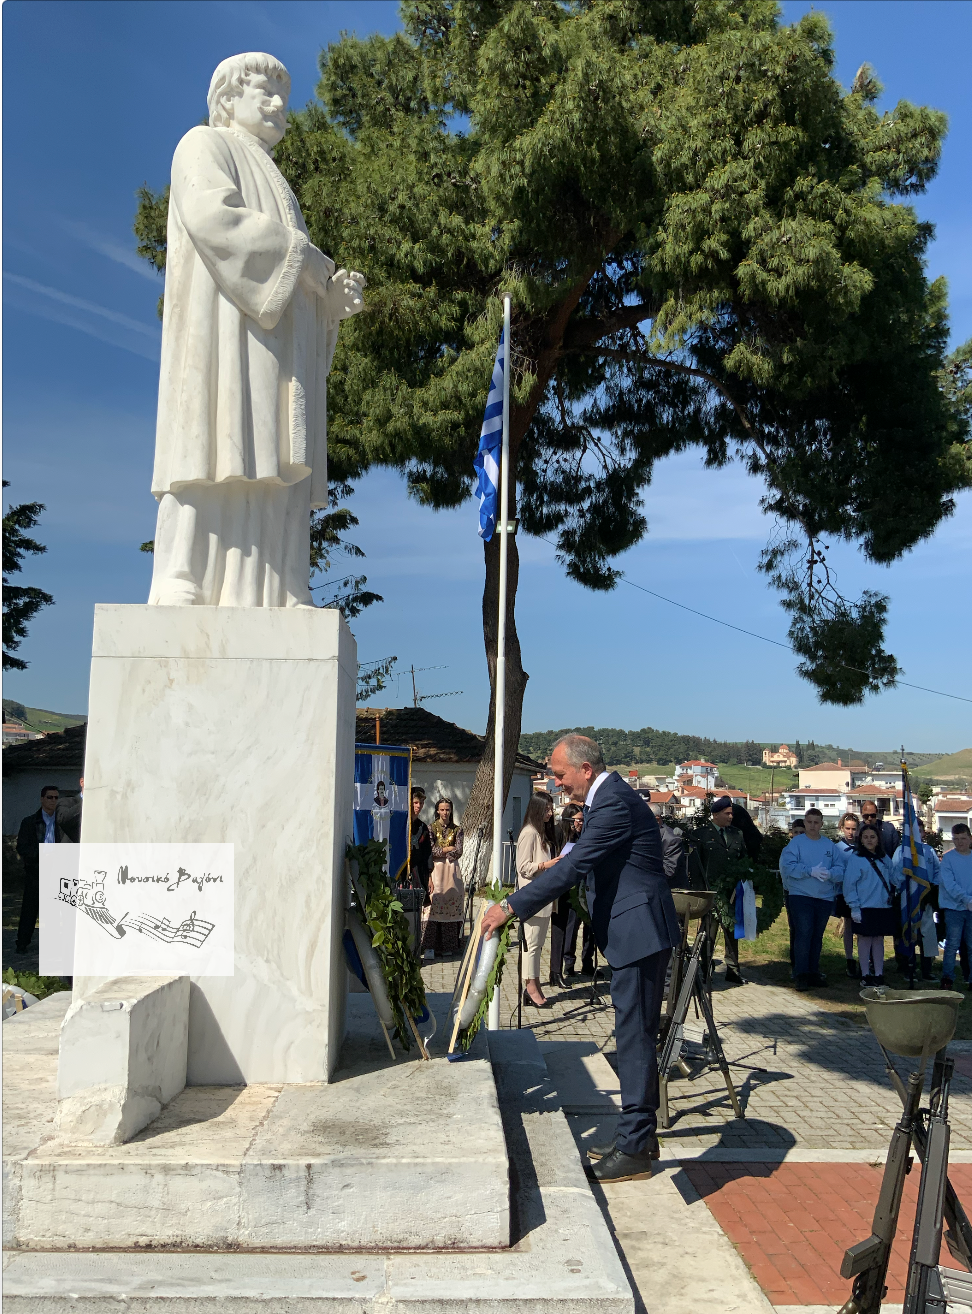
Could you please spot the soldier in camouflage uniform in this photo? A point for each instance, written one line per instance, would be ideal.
(716, 846)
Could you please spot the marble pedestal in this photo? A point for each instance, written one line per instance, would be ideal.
(236, 725)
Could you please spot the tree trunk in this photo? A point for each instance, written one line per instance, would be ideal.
(477, 818)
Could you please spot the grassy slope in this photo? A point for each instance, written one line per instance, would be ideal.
(39, 719)
(768, 959)
(756, 780)
(957, 766)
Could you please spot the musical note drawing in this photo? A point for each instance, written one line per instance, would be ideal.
(193, 931)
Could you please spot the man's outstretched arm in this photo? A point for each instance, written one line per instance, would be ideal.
(606, 828)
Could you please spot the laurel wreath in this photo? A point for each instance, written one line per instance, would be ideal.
(388, 927)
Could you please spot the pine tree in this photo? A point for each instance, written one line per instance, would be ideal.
(20, 603)
(707, 243)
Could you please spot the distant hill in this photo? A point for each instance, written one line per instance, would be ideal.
(957, 766)
(666, 747)
(39, 719)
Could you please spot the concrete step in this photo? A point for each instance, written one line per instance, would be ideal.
(303, 1167)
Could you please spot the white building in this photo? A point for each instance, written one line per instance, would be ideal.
(702, 775)
(947, 811)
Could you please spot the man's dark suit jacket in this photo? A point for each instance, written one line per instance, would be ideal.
(619, 855)
(674, 857)
(31, 837)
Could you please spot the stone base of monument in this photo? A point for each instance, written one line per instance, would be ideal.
(432, 1186)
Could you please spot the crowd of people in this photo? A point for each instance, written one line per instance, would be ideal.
(857, 877)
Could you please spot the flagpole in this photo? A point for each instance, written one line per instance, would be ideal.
(493, 1019)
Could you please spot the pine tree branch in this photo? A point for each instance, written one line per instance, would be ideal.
(645, 358)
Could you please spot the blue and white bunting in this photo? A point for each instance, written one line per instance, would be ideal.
(487, 462)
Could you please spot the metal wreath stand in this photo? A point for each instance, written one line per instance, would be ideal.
(915, 1025)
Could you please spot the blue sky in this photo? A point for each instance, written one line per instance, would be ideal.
(96, 95)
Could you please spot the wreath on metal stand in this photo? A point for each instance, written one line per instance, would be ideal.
(378, 931)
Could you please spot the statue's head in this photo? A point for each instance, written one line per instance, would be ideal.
(250, 92)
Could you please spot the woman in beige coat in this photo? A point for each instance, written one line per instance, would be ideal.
(534, 854)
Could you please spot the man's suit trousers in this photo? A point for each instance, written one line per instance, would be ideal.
(637, 992)
(28, 911)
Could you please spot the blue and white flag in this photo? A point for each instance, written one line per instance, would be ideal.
(487, 462)
(382, 802)
(917, 886)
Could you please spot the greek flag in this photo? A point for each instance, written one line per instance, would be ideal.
(487, 462)
(916, 882)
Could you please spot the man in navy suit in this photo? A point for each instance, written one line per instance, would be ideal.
(619, 854)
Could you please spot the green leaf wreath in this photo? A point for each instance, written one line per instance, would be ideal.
(389, 929)
(493, 893)
(767, 886)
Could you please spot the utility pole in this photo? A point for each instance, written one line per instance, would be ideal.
(414, 689)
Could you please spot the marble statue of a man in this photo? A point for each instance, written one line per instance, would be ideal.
(250, 325)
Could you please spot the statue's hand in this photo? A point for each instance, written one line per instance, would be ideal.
(345, 294)
(316, 272)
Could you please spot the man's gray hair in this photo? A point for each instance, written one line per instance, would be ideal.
(578, 749)
(229, 77)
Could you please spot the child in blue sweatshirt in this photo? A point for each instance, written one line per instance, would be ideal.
(869, 885)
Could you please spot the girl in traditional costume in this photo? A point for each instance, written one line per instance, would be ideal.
(445, 917)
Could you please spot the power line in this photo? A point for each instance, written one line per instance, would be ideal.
(753, 635)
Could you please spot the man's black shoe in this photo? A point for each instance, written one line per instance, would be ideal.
(946, 983)
(818, 978)
(618, 1167)
(802, 981)
(587, 969)
(733, 977)
(605, 1148)
(853, 971)
(559, 980)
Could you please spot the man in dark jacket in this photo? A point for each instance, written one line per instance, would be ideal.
(41, 827)
(674, 855)
(752, 835)
(634, 924)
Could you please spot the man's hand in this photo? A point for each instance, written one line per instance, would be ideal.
(345, 294)
(494, 919)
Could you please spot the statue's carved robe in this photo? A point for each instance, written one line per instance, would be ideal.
(241, 439)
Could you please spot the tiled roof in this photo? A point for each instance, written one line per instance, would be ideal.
(696, 761)
(952, 804)
(61, 751)
(874, 791)
(663, 796)
(816, 789)
(694, 791)
(827, 766)
(430, 737)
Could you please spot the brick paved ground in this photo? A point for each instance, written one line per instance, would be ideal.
(806, 1078)
(792, 1222)
(811, 1083)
